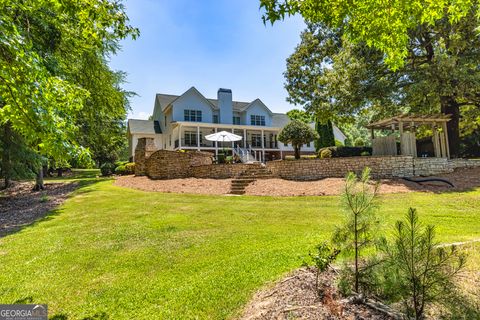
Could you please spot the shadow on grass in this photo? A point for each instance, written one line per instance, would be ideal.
(36, 211)
(96, 316)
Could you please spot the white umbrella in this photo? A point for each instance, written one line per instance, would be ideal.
(223, 136)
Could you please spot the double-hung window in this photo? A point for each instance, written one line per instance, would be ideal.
(256, 120)
(192, 115)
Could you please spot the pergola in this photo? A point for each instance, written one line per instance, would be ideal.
(407, 124)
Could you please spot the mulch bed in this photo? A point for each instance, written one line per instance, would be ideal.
(463, 179)
(295, 297)
(20, 206)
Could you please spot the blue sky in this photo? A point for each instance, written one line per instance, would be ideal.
(207, 44)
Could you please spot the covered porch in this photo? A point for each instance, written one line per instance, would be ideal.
(257, 139)
(406, 126)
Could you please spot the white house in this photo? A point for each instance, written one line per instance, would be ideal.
(182, 122)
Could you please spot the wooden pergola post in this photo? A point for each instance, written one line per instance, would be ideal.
(444, 128)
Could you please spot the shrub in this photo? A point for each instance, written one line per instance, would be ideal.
(338, 143)
(121, 170)
(359, 142)
(130, 168)
(325, 153)
(365, 153)
(107, 168)
(120, 163)
(323, 258)
(340, 152)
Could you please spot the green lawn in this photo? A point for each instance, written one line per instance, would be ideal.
(116, 253)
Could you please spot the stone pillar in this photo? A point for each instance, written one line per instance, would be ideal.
(145, 148)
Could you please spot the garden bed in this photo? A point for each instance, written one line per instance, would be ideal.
(463, 179)
(20, 206)
(295, 297)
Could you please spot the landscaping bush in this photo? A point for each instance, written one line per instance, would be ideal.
(130, 168)
(120, 163)
(325, 153)
(359, 142)
(107, 169)
(121, 170)
(365, 153)
(340, 152)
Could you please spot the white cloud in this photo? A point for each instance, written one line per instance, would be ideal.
(140, 115)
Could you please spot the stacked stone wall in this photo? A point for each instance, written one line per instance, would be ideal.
(164, 164)
(381, 167)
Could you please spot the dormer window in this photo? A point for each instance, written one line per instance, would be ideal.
(256, 120)
(192, 115)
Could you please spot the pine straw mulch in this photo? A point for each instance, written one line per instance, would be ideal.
(20, 206)
(295, 297)
(463, 179)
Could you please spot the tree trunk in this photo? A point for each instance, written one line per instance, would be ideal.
(450, 106)
(39, 184)
(297, 152)
(6, 163)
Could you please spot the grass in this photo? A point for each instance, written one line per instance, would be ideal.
(111, 252)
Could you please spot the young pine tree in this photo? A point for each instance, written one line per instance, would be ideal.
(359, 230)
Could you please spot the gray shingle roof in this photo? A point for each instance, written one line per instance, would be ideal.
(143, 126)
(166, 99)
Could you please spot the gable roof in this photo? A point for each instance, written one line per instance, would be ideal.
(144, 126)
(166, 99)
(261, 102)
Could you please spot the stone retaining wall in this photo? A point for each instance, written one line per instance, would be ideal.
(164, 164)
(381, 167)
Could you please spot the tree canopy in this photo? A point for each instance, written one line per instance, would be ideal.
(331, 76)
(383, 25)
(54, 75)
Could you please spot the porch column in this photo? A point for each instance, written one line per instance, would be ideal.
(245, 138)
(233, 146)
(179, 137)
(216, 146)
(263, 146)
(198, 138)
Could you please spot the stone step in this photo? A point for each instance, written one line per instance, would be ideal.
(237, 192)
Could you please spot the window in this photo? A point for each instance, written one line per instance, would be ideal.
(256, 120)
(308, 145)
(191, 139)
(215, 118)
(256, 140)
(236, 120)
(192, 115)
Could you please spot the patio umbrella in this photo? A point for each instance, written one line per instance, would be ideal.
(223, 136)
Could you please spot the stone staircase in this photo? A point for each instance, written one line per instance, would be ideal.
(253, 172)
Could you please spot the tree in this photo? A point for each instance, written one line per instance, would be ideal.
(334, 77)
(297, 133)
(42, 46)
(300, 115)
(387, 30)
(326, 138)
(358, 231)
(422, 271)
